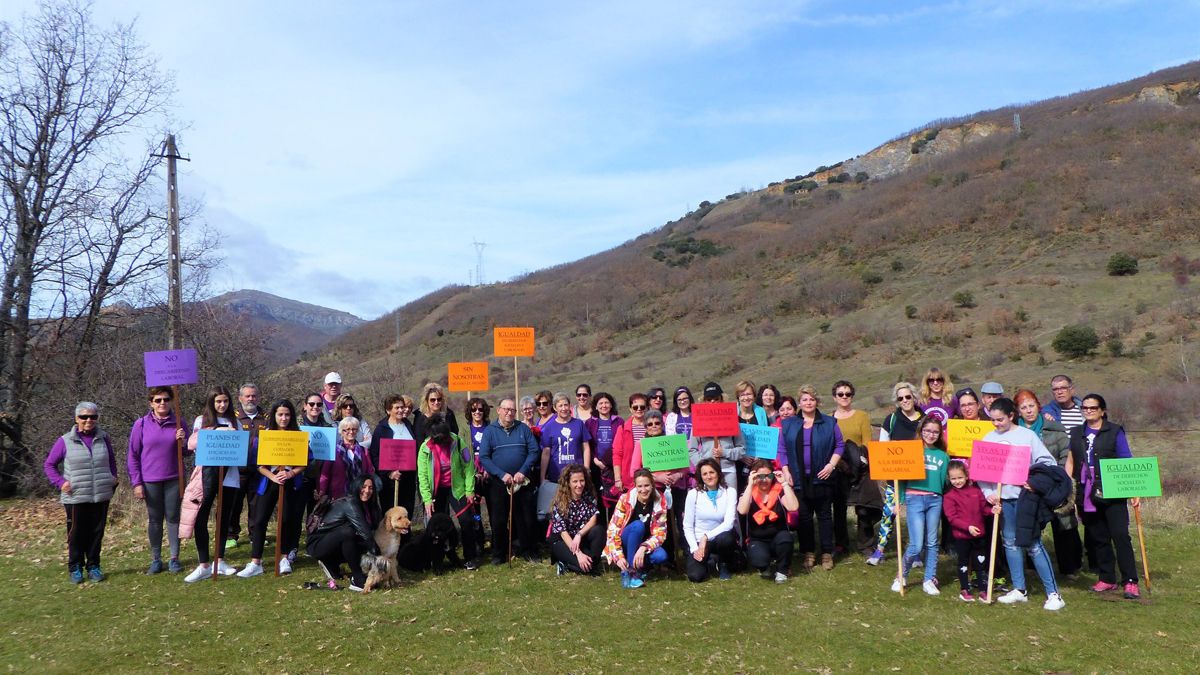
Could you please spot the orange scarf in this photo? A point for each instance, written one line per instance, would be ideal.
(766, 504)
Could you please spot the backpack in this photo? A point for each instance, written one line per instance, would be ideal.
(317, 517)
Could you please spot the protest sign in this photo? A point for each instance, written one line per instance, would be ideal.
(467, 376)
(222, 447)
(714, 419)
(1136, 477)
(169, 368)
(961, 433)
(512, 341)
(397, 455)
(322, 441)
(896, 460)
(761, 441)
(664, 453)
(999, 463)
(282, 448)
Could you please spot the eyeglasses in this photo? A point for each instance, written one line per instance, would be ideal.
(353, 430)
(939, 380)
(434, 399)
(844, 394)
(161, 400)
(1061, 388)
(88, 417)
(764, 477)
(478, 409)
(1089, 408)
(906, 397)
(637, 407)
(312, 404)
(582, 394)
(507, 410)
(931, 432)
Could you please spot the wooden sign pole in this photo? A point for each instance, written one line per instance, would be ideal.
(899, 536)
(219, 529)
(1137, 515)
(396, 494)
(279, 529)
(178, 441)
(995, 534)
(516, 385)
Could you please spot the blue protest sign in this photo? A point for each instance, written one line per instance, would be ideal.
(322, 442)
(761, 442)
(222, 447)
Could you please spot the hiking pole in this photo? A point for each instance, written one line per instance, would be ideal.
(510, 532)
(1137, 515)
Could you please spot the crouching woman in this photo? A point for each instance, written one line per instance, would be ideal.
(637, 531)
(348, 531)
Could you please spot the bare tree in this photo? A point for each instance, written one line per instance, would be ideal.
(78, 228)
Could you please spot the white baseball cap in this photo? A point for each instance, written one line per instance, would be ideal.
(333, 378)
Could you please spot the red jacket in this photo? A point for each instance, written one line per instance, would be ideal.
(964, 507)
(623, 452)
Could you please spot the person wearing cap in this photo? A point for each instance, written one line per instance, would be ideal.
(988, 393)
(330, 393)
(726, 449)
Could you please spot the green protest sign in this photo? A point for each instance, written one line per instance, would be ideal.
(664, 453)
(1135, 477)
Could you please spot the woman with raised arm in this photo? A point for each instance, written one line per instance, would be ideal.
(766, 503)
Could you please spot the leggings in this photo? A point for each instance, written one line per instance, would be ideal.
(889, 510)
(972, 553)
(720, 547)
(591, 544)
(265, 507)
(341, 545)
(162, 502)
(228, 496)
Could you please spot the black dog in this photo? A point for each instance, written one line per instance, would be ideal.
(438, 540)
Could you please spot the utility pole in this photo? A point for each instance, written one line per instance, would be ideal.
(174, 285)
(1017, 123)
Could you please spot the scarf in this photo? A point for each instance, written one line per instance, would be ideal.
(1036, 427)
(766, 504)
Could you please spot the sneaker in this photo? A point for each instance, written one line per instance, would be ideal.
(471, 565)
(155, 567)
(781, 578)
(252, 569)
(1131, 591)
(966, 596)
(202, 571)
(1054, 602)
(231, 543)
(723, 572)
(560, 569)
(1103, 587)
(174, 566)
(355, 587)
(291, 556)
(826, 561)
(76, 575)
(765, 573)
(897, 584)
(982, 596)
(624, 579)
(95, 574)
(1014, 596)
(931, 587)
(225, 569)
(285, 566)
(636, 581)
(875, 558)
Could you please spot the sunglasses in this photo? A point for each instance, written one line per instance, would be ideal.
(347, 405)
(434, 399)
(939, 380)
(844, 394)
(88, 417)
(657, 397)
(475, 410)
(764, 477)
(161, 400)
(637, 407)
(906, 397)
(312, 404)
(582, 395)
(654, 424)
(543, 404)
(1089, 408)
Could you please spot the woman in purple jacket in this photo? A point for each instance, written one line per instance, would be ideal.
(154, 474)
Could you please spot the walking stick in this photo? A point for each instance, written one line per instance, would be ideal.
(510, 532)
(899, 536)
(279, 530)
(1137, 515)
(992, 553)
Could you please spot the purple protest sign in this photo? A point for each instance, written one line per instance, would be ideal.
(169, 368)
(999, 463)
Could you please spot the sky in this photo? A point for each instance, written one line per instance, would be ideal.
(349, 154)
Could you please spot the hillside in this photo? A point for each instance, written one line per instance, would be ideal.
(852, 270)
(295, 327)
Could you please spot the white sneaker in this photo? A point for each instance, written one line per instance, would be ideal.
(202, 571)
(897, 584)
(930, 587)
(252, 569)
(285, 567)
(225, 569)
(1013, 596)
(354, 588)
(1054, 602)
(780, 578)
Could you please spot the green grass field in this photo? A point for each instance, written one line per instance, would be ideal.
(522, 617)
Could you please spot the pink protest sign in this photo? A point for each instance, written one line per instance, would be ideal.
(397, 455)
(1000, 463)
(169, 368)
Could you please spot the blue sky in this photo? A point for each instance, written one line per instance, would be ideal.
(349, 153)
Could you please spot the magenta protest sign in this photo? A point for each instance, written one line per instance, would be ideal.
(999, 463)
(396, 455)
(169, 368)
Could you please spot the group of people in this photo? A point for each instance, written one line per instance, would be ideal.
(567, 475)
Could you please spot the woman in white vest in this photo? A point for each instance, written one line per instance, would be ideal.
(84, 469)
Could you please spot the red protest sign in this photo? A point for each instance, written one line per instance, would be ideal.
(896, 460)
(1000, 463)
(397, 455)
(714, 419)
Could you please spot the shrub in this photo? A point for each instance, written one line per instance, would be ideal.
(964, 299)
(934, 179)
(897, 265)
(1122, 265)
(861, 177)
(1114, 346)
(910, 312)
(960, 178)
(871, 277)
(937, 312)
(1076, 341)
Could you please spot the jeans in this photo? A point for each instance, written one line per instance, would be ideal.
(924, 523)
(720, 547)
(632, 537)
(1012, 552)
(760, 551)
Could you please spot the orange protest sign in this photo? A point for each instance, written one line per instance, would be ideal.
(962, 434)
(512, 341)
(896, 460)
(468, 376)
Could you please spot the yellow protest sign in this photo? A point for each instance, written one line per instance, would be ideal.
(961, 434)
(468, 376)
(282, 448)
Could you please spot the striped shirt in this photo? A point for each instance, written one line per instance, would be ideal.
(1071, 418)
